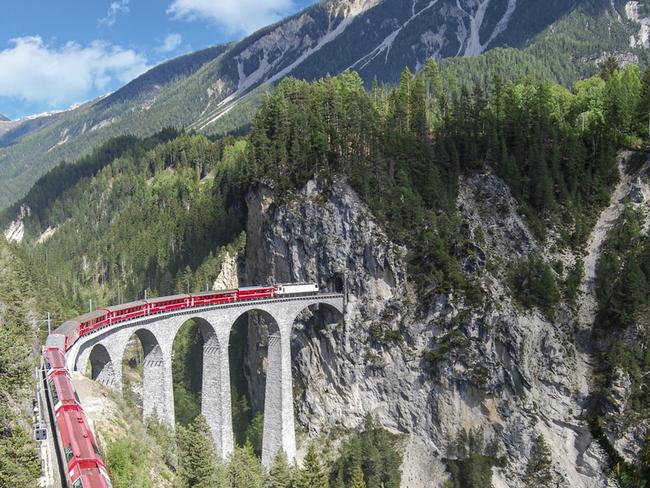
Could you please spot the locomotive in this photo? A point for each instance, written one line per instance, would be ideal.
(79, 456)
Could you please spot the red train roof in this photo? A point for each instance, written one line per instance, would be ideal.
(54, 358)
(66, 327)
(124, 306)
(64, 391)
(76, 437)
(213, 292)
(97, 314)
(93, 475)
(167, 299)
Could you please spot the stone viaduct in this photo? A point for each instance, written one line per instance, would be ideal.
(105, 351)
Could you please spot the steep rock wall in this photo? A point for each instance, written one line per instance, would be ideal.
(512, 373)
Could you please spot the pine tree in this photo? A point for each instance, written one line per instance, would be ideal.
(197, 458)
(339, 481)
(644, 461)
(312, 474)
(608, 68)
(643, 109)
(245, 469)
(357, 478)
(281, 474)
(539, 469)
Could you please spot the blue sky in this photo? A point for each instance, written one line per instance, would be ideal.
(55, 53)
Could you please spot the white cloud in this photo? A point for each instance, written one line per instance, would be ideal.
(235, 15)
(35, 72)
(115, 9)
(171, 42)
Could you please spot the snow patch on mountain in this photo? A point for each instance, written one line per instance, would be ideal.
(47, 233)
(289, 38)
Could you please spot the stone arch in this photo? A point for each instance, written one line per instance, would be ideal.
(155, 384)
(102, 368)
(328, 313)
(263, 314)
(270, 346)
(215, 384)
(263, 332)
(317, 336)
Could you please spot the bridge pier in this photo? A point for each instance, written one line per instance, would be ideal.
(279, 433)
(158, 391)
(215, 395)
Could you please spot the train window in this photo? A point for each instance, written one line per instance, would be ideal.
(78, 484)
(55, 396)
(48, 366)
(68, 452)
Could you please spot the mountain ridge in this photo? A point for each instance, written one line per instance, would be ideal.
(214, 90)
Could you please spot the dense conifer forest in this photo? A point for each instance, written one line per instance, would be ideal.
(19, 462)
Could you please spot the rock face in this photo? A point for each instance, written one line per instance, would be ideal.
(15, 231)
(509, 372)
(227, 278)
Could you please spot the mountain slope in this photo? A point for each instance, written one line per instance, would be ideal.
(216, 89)
(4, 118)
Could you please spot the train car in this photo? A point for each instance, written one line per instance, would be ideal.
(53, 359)
(255, 292)
(166, 304)
(91, 321)
(62, 393)
(65, 335)
(93, 475)
(56, 340)
(126, 311)
(83, 465)
(286, 289)
(213, 297)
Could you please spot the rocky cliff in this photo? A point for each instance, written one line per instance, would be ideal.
(446, 365)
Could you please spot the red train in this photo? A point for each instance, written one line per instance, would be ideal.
(78, 453)
(79, 456)
(71, 330)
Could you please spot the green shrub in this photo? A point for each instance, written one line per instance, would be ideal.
(532, 283)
